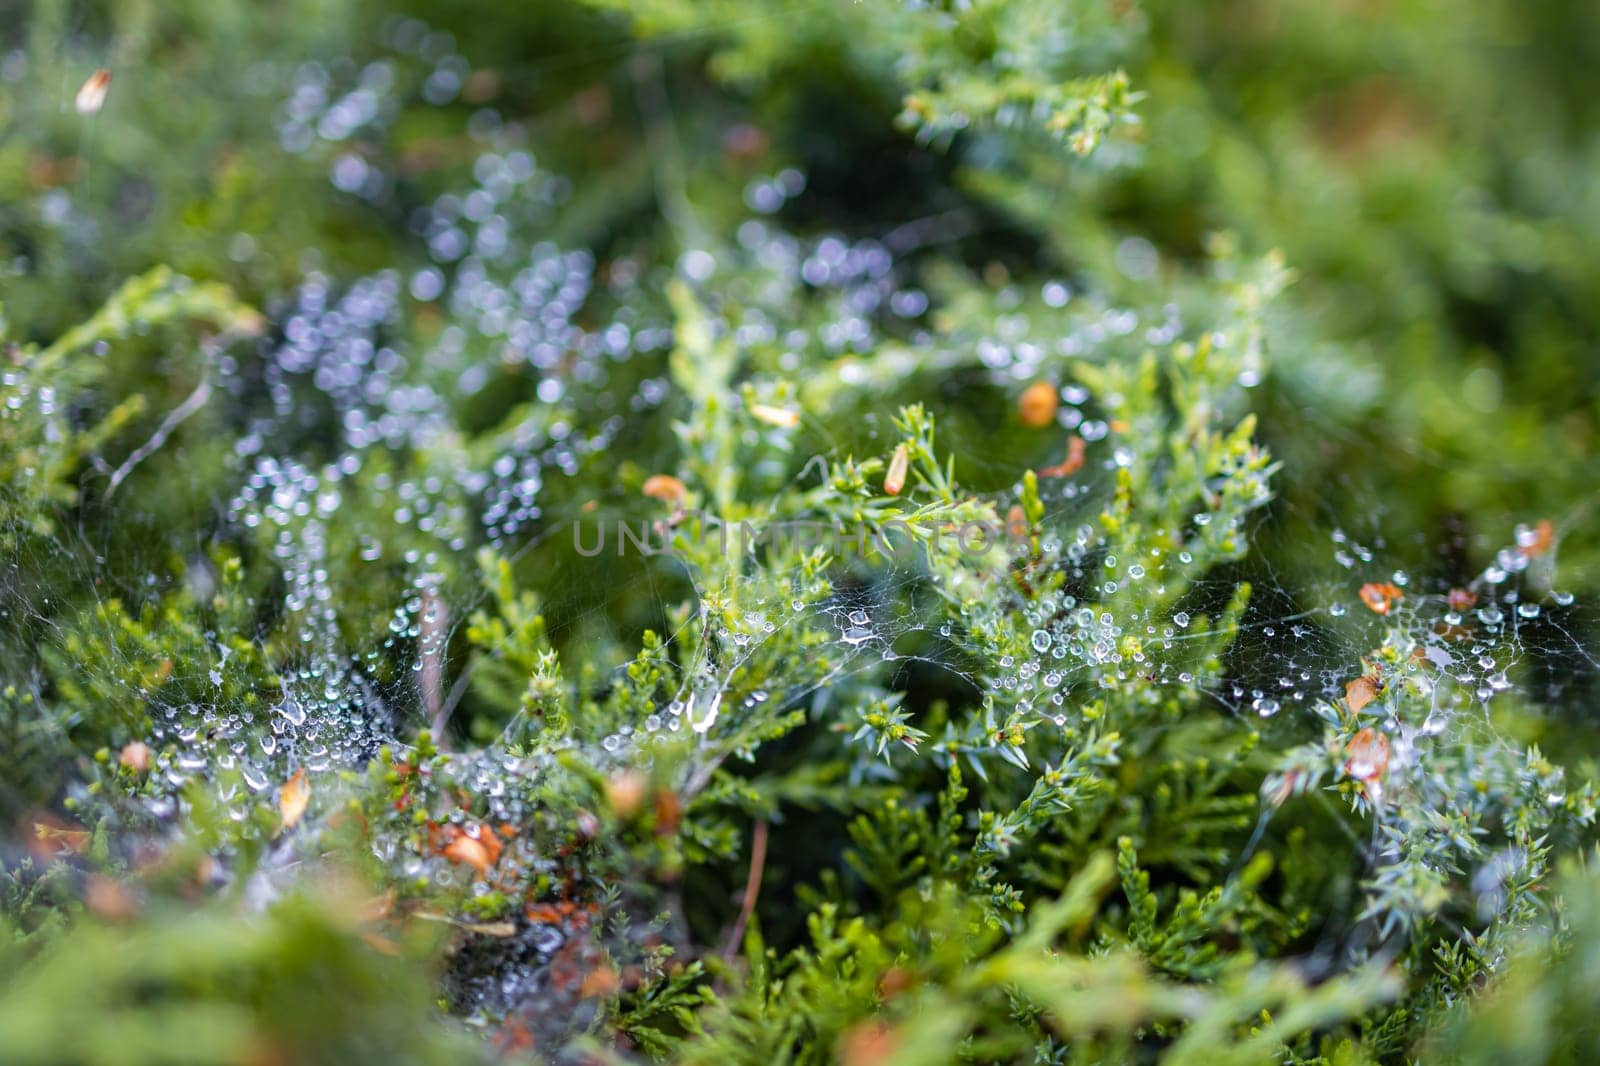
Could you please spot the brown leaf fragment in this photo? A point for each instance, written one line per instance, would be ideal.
(293, 798)
(92, 95)
(1071, 464)
(1368, 755)
(1361, 691)
(664, 487)
(868, 1043)
(1380, 596)
(1537, 539)
(1037, 405)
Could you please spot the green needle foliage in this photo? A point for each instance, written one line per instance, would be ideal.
(854, 531)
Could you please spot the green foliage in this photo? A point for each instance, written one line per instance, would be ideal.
(1015, 435)
(295, 983)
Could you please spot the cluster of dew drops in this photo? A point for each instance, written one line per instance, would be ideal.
(512, 302)
(508, 301)
(1466, 641)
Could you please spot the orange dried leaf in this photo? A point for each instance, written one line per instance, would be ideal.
(492, 843)
(1537, 539)
(55, 836)
(1380, 597)
(868, 1043)
(1361, 691)
(1071, 464)
(600, 981)
(468, 852)
(92, 96)
(472, 845)
(513, 1036)
(664, 487)
(895, 479)
(1368, 755)
(564, 912)
(293, 798)
(1037, 405)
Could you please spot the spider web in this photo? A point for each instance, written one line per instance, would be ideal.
(348, 408)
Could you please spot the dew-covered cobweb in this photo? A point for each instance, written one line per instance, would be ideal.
(361, 401)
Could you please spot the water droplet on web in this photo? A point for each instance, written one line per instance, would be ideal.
(1266, 708)
(703, 719)
(1181, 619)
(1041, 641)
(855, 635)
